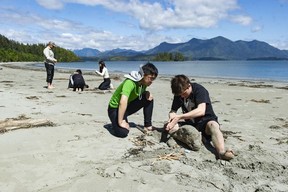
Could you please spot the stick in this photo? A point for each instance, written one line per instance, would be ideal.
(14, 124)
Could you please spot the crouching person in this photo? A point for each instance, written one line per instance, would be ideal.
(76, 81)
(129, 97)
(197, 112)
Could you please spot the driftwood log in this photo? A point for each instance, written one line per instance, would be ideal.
(22, 122)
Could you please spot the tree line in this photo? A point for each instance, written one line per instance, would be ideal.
(165, 56)
(13, 51)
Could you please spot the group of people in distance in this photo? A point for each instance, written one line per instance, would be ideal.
(77, 82)
(132, 95)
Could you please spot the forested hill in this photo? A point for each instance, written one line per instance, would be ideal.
(12, 51)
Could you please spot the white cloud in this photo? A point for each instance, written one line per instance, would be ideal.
(105, 40)
(241, 19)
(282, 45)
(18, 35)
(51, 4)
(29, 19)
(256, 29)
(184, 14)
(152, 15)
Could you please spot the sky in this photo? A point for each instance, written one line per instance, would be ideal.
(142, 24)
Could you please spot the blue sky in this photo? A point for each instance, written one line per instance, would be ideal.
(142, 24)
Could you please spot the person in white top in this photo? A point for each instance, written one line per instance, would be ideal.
(50, 61)
(103, 71)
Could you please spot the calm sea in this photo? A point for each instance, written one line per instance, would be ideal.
(250, 70)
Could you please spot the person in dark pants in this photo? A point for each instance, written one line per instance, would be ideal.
(131, 96)
(103, 71)
(71, 81)
(50, 61)
(197, 111)
(78, 81)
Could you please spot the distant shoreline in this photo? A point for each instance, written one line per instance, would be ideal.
(31, 66)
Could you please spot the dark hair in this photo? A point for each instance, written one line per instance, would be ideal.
(150, 69)
(179, 84)
(79, 71)
(102, 65)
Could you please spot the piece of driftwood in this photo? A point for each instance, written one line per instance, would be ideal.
(22, 122)
(171, 156)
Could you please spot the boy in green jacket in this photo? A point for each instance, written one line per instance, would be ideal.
(131, 96)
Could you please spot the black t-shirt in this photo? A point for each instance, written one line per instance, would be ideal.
(199, 95)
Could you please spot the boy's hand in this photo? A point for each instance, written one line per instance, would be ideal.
(149, 96)
(172, 122)
(124, 124)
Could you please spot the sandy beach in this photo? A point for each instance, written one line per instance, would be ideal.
(74, 151)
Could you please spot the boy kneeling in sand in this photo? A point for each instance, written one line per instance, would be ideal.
(197, 111)
(130, 97)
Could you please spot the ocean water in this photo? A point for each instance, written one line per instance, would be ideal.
(247, 70)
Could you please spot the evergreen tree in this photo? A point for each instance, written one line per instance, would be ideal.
(12, 51)
(165, 56)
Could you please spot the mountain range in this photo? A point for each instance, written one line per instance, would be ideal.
(218, 48)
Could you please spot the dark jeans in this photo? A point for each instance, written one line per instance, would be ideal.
(78, 86)
(132, 108)
(50, 72)
(105, 84)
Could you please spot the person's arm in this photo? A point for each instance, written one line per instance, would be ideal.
(47, 55)
(71, 79)
(98, 73)
(171, 115)
(175, 118)
(176, 104)
(149, 96)
(103, 72)
(198, 112)
(170, 125)
(121, 111)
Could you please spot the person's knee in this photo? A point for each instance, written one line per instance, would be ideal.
(212, 127)
(122, 132)
(148, 102)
